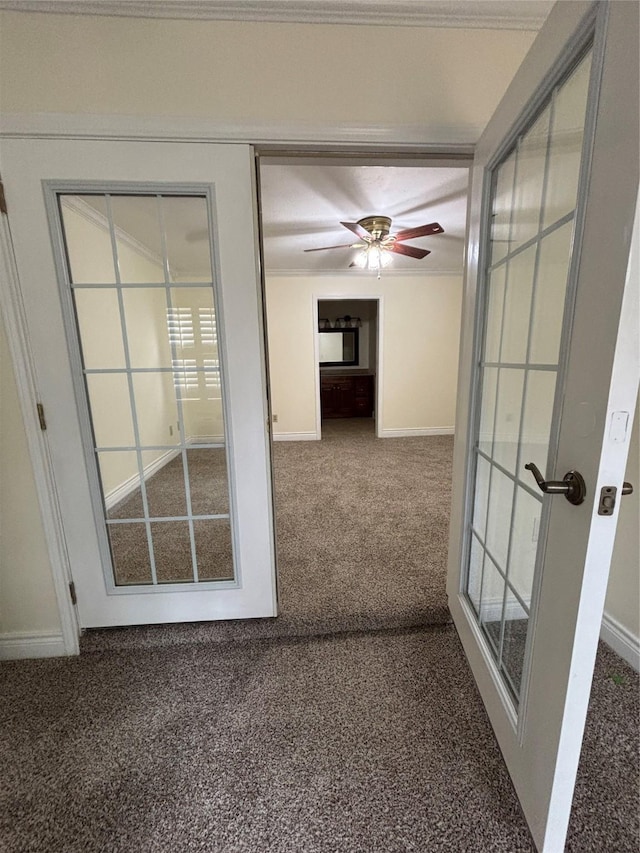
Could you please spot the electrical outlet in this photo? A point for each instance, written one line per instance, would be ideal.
(274, 418)
(170, 430)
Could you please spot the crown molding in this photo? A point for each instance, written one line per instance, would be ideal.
(431, 140)
(489, 14)
(360, 273)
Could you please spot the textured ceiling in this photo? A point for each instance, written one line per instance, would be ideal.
(303, 205)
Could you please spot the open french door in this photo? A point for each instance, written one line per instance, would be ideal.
(139, 275)
(549, 378)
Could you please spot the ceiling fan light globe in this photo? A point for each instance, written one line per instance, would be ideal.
(374, 259)
(378, 258)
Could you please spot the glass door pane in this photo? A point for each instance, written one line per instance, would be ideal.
(139, 268)
(534, 193)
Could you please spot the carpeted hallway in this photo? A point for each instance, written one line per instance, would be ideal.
(351, 723)
(352, 743)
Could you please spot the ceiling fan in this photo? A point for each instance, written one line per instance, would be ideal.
(377, 245)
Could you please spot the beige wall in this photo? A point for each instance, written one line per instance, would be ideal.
(248, 72)
(27, 597)
(623, 593)
(419, 343)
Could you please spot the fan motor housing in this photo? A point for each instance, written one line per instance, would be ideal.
(377, 226)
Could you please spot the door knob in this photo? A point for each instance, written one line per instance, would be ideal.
(572, 486)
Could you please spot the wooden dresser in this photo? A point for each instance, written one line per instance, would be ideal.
(346, 395)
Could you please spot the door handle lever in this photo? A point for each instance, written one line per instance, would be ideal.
(572, 486)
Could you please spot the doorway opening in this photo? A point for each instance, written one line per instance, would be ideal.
(348, 365)
(362, 384)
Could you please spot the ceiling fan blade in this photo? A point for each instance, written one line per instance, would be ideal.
(356, 228)
(411, 251)
(420, 231)
(322, 248)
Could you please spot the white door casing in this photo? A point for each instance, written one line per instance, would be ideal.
(227, 174)
(541, 738)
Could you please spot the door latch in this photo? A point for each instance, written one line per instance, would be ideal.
(608, 498)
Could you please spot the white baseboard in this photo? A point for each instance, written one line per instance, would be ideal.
(621, 640)
(195, 440)
(491, 610)
(296, 436)
(129, 486)
(21, 645)
(416, 431)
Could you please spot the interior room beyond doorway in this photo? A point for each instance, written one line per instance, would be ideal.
(347, 361)
(358, 355)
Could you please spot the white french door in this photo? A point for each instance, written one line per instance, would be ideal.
(139, 273)
(549, 378)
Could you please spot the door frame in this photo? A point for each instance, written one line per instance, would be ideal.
(378, 384)
(98, 128)
(13, 318)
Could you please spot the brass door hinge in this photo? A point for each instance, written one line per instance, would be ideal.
(41, 417)
(3, 200)
(72, 593)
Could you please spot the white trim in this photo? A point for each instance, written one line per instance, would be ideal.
(19, 645)
(378, 387)
(357, 297)
(356, 272)
(621, 640)
(15, 324)
(491, 610)
(414, 13)
(416, 431)
(133, 483)
(296, 436)
(195, 440)
(315, 313)
(77, 205)
(424, 139)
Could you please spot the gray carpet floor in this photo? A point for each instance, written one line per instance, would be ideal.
(351, 724)
(362, 535)
(360, 743)
(363, 526)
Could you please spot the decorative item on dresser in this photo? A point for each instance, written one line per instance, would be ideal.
(346, 395)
